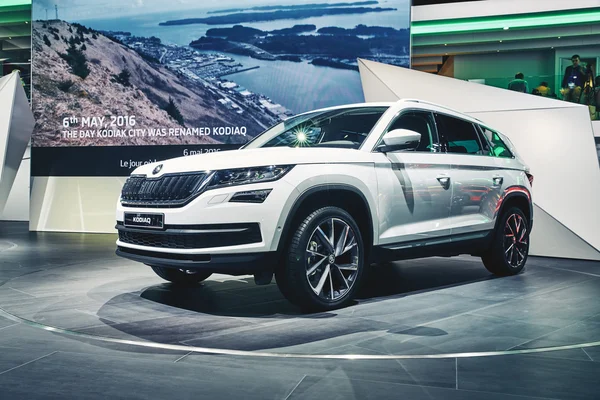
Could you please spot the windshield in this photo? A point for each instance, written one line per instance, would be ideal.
(345, 128)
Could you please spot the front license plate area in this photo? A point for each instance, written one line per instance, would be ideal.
(142, 220)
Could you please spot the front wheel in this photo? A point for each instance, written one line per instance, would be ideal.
(509, 251)
(181, 277)
(325, 261)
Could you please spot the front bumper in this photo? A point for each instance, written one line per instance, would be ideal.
(203, 225)
(191, 237)
(231, 264)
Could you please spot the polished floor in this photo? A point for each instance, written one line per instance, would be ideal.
(78, 322)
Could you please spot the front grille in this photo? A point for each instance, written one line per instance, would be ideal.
(201, 237)
(167, 191)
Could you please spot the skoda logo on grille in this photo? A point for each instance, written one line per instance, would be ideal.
(157, 169)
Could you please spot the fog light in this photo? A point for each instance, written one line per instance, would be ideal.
(254, 196)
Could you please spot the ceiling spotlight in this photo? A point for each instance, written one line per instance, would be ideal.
(559, 37)
(498, 51)
(9, 38)
(26, 22)
(500, 41)
(506, 28)
(445, 44)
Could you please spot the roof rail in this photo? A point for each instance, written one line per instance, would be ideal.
(428, 103)
(436, 105)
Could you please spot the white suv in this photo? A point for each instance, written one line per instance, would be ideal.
(317, 199)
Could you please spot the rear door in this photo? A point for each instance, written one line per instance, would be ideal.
(510, 169)
(477, 180)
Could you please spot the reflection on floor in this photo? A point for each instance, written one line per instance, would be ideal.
(421, 307)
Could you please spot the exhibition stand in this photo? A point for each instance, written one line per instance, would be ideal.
(109, 96)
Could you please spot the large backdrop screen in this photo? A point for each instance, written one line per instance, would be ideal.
(117, 84)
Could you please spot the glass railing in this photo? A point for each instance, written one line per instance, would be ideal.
(588, 93)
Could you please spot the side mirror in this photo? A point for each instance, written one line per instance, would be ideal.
(400, 139)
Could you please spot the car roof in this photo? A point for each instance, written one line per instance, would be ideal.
(410, 103)
(426, 105)
(352, 105)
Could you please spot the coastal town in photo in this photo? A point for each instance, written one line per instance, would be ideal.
(244, 67)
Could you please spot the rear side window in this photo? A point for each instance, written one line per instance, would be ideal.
(457, 135)
(497, 147)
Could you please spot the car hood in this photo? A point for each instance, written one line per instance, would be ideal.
(255, 158)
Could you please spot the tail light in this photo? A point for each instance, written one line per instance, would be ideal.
(530, 177)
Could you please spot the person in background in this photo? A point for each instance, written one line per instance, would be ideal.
(573, 80)
(543, 89)
(519, 84)
(596, 98)
(588, 86)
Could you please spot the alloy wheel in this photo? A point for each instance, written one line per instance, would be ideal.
(332, 256)
(515, 240)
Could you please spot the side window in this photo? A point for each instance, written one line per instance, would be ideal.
(421, 122)
(497, 146)
(458, 136)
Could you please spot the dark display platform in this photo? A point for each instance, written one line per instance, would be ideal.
(449, 309)
(422, 307)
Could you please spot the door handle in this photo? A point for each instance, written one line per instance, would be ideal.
(498, 180)
(444, 180)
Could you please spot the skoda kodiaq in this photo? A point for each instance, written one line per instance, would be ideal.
(320, 197)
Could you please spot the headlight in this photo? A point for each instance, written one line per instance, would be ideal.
(244, 176)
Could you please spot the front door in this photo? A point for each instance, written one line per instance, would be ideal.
(415, 188)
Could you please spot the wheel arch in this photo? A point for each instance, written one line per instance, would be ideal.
(494, 258)
(516, 196)
(345, 196)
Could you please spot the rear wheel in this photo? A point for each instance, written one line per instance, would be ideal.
(325, 261)
(181, 276)
(510, 248)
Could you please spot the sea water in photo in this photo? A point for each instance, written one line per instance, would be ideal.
(297, 86)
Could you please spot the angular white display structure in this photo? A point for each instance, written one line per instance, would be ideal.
(555, 138)
(16, 126)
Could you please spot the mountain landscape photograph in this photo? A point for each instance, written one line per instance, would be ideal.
(217, 73)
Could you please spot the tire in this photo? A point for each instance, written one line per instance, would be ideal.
(512, 233)
(317, 276)
(179, 277)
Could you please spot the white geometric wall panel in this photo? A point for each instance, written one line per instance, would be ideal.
(74, 204)
(16, 126)
(555, 138)
(17, 205)
(552, 239)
